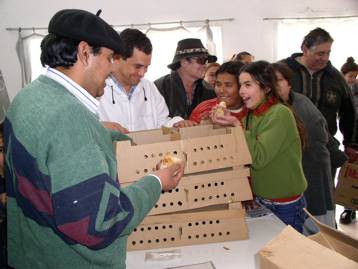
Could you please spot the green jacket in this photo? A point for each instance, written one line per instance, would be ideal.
(275, 148)
(65, 207)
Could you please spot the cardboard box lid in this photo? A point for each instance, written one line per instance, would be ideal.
(335, 240)
(291, 249)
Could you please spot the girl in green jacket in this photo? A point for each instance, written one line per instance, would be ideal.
(274, 142)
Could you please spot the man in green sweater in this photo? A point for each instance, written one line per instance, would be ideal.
(65, 206)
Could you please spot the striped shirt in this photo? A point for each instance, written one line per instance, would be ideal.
(80, 93)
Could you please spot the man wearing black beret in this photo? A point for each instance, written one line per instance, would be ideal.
(65, 205)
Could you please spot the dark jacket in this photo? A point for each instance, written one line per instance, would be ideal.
(329, 92)
(173, 91)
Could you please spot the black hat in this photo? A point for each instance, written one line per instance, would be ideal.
(82, 25)
(187, 48)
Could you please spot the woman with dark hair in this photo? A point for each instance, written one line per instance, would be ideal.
(315, 155)
(227, 90)
(274, 142)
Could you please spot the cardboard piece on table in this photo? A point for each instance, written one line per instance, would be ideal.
(291, 249)
(346, 192)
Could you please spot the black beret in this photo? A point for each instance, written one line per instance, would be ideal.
(82, 25)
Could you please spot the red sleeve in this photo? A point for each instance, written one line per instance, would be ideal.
(201, 109)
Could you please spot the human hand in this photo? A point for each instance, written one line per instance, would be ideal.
(115, 127)
(227, 119)
(171, 176)
(185, 123)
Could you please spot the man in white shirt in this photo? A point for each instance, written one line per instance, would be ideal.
(131, 102)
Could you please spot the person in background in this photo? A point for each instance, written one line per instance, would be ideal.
(243, 57)
(66, 208)
(227, 90)
(315, 77)
(350, 72)
(131, 102)
(210, 73)
(273, 138)
(183, 89)
(316, 153)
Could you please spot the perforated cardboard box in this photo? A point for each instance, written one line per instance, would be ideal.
(189, 229)
(203, 147)
(201, 190)
(346, 192)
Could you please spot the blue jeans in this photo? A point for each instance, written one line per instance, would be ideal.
(291, 214)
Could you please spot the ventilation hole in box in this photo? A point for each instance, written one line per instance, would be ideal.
(171, 203)
(209, 184)
(202, 185)
(232, 194)
(145, 170)
(145, 156)
(180, 203)
(217, 221)
(135, 229)
(164, 239)
(220, 233)
(195, 163)
(210, 161)
(197, 223)
(172, 239)
(231, 157)
(197, 236)
(156, 228)
(201, 148)
(137, 172)
(177, 190)
(222, 183)
(210, 197)
(164, 205)
(215, 146)
(216, 184)
(227, 233)
(133, 243)
(189, 236)
(224, 158)
(149, 228)
(170, 226)
(141, 242)
(157, 240)
(196, 187)
(163, 192)
(202, 162)
(175, 152)
(164, 227)
(221, 146)
(142, 229)
(152, 155)
(211, 222)
(218, 196)
(218, 159)
(225, 195)
(196, 199)
(154, 169)
(203, 222)
(170, 191)
(204, 235)
(194, 149)
(202, 198)
(160, 154)
(208, 147)
(149, 241)
(190, 224)
(212, 234)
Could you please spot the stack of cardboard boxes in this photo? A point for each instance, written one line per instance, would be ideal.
(206, 205)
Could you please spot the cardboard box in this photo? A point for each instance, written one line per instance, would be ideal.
(203, 147)
(291, 249)
(198, 227)
(201, 190)
(346, 192)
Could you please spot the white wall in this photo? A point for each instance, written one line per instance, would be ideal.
(247, 32)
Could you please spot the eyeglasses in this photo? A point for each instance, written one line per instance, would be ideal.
(200, 60)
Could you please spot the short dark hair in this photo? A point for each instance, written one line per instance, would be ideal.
(134, 38)
(286, 72)
(316, 37)
(349, 66)
(61, 51)
(232, 68)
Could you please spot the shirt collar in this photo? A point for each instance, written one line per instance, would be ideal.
(76, 90)
(122, 89)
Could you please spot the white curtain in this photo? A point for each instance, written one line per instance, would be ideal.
(28, 51)
(290, 34)
(4, 98)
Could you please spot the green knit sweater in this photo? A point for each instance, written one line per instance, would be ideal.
(66, 208)
(275, 148)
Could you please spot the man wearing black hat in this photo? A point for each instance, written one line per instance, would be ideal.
(65, 206)
(183, 89)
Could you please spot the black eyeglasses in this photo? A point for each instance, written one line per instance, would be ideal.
(200, 60)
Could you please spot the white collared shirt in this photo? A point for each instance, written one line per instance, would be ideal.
(80, 93)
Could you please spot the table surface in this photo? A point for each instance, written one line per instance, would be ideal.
(228, 255)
